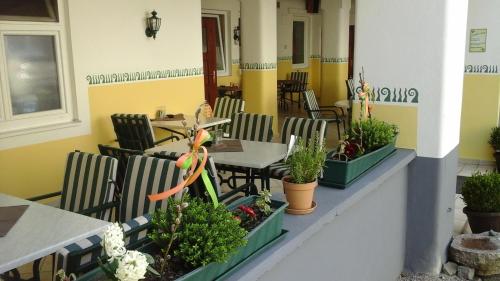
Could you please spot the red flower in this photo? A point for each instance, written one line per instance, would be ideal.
(248, 211)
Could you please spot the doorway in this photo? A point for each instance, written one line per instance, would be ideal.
(209, 37)
(351, 51)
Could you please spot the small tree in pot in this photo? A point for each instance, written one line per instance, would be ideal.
(481, 194)
(305, 165)
(495, 143)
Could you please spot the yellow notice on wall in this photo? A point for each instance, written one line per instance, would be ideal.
(477, 40)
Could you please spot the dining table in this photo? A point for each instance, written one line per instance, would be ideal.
(175, 125)
(40, 231)
(255, 155)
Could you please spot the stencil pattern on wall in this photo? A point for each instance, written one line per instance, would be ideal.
(95, 79)
(259, 66)
(235, 61)
(315, 56)
(284, 58)
(481, 68)
(334, 60)
(393, 95)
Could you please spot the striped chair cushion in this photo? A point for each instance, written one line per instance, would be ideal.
(133, 131)
(88, 183)
(278, 170)
(225, 107)
(312, 104)
(302, 127)
(302, 78)
(144, 176)
(83, 255)
(167, 155)
(252, 127)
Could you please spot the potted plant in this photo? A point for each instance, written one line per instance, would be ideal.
(194, 240)
(495, 143)
(481, 194)
(365, 144)
(305, 164)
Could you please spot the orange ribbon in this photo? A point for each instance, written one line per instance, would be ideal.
(187, 161)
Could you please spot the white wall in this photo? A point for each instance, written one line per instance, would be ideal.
(289, 9)
(484, 14)
(424, 51)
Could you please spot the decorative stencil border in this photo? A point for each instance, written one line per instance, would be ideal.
(481, 68)
(315, 56)
(334, 60)
(259, 66)
(235, 61)
(96, 79)
(284, 58)
(394, 95)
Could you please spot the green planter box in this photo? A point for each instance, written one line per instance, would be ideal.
(259, 239)
(340, 174)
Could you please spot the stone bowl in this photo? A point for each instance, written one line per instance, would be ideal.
(479, 251)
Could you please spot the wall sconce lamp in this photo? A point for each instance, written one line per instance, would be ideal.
(236, 34)
(153, 24)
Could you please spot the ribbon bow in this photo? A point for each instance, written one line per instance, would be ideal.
(188, 161)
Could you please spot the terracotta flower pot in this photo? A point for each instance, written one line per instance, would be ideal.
(299, 196)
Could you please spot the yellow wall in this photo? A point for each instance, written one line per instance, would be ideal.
(38, 169)
(315, 75)
(333, 88)
(405, 117)
(284, 69)
(480, 112)
(234, 78)
(260, 94)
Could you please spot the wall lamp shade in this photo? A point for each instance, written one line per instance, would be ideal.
(153, 24)
(236, 34)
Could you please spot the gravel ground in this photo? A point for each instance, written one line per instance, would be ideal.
(425, 277)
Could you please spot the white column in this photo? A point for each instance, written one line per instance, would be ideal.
(413, 52)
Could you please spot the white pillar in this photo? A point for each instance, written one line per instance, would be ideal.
(258, 56)
(413, 54)
(334, 50)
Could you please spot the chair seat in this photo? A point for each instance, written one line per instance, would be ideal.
(85, 253)
(278, 170)
(343, 103)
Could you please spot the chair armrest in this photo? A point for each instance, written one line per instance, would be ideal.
(166, 139)
(325, 110)
(44, 196)
(105, 206)
(333, 106)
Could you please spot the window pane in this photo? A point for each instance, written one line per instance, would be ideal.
(298, 42)
(33, 10)
(32, 73)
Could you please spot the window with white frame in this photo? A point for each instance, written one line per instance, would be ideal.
(222, 42)
(299, 43)
(35, 87)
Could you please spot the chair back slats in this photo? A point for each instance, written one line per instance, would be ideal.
(302, 127)
(302, 78)
(133, 131)
(197, 188)
(312, 105)
(122, 155)
(225, 107)
(144, 176)
(252, 127)
(350, 88)
(88, 183)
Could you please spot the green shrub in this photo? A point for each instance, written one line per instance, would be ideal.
(206, 234)
(495, 138)
(481, 192)
(371, 134)
(307, 160)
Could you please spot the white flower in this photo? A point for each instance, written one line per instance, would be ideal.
(132, 266)
(113, 241)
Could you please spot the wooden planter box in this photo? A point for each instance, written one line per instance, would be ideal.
(340, 174)
(259, 239)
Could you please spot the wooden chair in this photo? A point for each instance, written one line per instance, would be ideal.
(134, 131)
(225, 107)
(135, 210)
(300, 127)
(331, 114)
